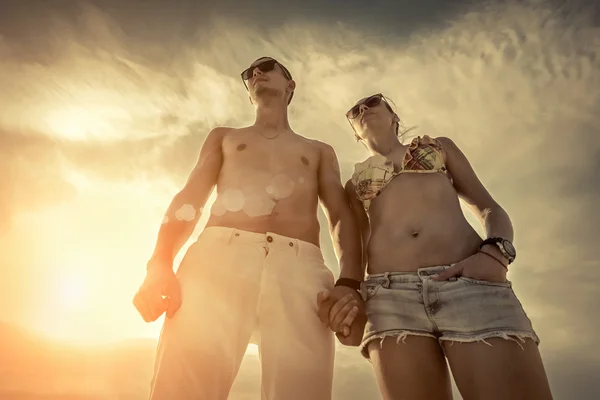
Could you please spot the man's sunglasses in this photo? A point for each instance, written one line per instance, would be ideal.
(370, 102)
(265, 66)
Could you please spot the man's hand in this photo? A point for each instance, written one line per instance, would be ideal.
(158, 293)
(478, 266)
(357, 330)
(342, 310)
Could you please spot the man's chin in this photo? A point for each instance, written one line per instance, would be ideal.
(265, 91)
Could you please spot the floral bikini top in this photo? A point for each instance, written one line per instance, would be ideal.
(424, 155)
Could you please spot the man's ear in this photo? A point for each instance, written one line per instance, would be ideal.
(291, 85)
(396, 118)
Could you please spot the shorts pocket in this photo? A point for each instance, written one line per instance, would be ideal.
(368, 291)
(506, 284)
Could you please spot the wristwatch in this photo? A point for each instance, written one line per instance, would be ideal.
(351, 283)
(506, 247)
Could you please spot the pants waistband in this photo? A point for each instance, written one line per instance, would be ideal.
(268, 239)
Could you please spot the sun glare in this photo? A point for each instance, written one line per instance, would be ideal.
(71, 292)
(252, 349)
(77, 123)
(67, 305)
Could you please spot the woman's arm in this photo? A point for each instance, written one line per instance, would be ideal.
(493, 217)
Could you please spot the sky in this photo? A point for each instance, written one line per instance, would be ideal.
(105, 105)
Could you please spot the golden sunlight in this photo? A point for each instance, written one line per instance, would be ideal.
(83, 284)
(71, 292)
(69, 304)
(252, 349)
(95, 121)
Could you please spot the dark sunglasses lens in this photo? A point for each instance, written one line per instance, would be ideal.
(264, 66)
(373, 101)
(370, 102)
(354, 111)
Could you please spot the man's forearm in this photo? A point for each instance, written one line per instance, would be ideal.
(184, 211)
(348, 245)
(177, 226)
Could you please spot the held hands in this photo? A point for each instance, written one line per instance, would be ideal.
(478, 266)
(158, 293)
(342, 310)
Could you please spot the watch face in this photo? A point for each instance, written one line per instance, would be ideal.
(509, 248)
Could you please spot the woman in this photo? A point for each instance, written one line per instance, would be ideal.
(434, 289)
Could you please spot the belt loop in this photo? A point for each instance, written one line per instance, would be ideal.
(296, 244)
(387, 282)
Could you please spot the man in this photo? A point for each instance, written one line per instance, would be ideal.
(257, 267)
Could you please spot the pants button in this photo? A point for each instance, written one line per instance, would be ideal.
(269, 239)
(291, 244)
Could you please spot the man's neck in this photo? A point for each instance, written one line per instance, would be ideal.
(384, 145)
(272, 116)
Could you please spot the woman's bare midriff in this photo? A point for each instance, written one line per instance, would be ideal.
(417, 222)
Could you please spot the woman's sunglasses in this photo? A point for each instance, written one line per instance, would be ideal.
(370, 102)
(265, 66)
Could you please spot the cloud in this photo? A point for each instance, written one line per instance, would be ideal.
(573, 375)
(28, 184)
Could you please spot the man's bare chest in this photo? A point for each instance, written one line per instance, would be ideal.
(270, 157)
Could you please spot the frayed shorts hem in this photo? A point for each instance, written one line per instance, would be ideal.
(400, 334)
(518, 337)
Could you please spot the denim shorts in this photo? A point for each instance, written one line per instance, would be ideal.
(399, 304)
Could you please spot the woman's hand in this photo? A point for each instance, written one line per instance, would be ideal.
(479, 266)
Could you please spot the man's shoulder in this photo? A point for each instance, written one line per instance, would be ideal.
(318, 145)
(221, 131)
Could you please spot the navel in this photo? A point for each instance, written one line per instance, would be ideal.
(241, 147)
(304, 161)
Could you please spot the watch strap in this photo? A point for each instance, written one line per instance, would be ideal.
(492, 240)
(496, 241)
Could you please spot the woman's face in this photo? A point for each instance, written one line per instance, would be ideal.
(371, 116)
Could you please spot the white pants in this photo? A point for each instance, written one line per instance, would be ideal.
(235, 283)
